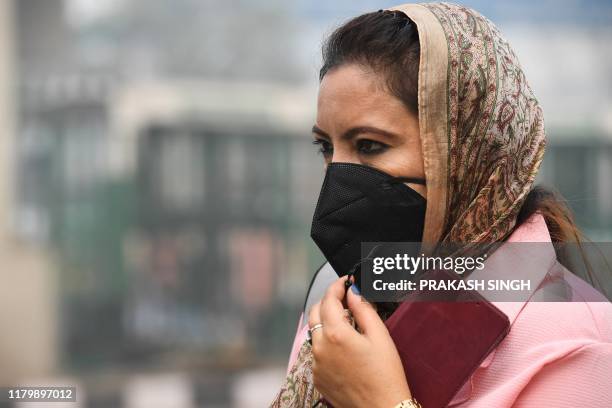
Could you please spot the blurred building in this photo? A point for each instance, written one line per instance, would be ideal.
(225, 191)
(177, 212)
(28, 294)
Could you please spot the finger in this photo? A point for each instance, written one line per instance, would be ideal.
(314, 315)
(332, 309)
(314, 318)
(364, 314)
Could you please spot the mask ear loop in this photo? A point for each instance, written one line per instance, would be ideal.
(414, 180)
(356, 268)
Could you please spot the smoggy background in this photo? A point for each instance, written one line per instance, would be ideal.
(157, 182)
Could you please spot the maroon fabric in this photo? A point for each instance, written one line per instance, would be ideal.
(442, 343)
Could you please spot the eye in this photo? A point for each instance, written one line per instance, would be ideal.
(366, 146)
(325, 147)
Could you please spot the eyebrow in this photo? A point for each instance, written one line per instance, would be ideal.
(352, 132)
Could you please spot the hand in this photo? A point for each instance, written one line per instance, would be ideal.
(353, 369)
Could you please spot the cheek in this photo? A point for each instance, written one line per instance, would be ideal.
(403, 160)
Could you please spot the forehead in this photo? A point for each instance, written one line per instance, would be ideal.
(350, 79)
(350, 92)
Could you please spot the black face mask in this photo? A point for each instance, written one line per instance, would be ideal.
(359, 204)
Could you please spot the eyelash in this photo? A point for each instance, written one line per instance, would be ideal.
(325, 147)
(381, 147)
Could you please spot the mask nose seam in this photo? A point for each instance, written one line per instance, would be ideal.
(340, 208)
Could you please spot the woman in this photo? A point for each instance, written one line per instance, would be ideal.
(433, 94)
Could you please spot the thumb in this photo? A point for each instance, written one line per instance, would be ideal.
(364, 313)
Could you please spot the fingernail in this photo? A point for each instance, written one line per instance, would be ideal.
(355, 289)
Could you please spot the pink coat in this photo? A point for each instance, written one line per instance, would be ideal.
(557, 354)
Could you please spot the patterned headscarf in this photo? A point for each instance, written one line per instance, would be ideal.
(482, 135)
(481, 127)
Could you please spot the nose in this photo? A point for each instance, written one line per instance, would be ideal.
(345, 155)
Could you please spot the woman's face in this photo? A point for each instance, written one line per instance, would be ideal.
(359, 122)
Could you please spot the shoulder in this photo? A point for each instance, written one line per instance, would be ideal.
(551, 347)
(545, 322)
(544, 332)
(584, 370)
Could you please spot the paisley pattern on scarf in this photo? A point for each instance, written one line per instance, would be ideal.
(492, 149)
(298, 389)
(496, 133)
